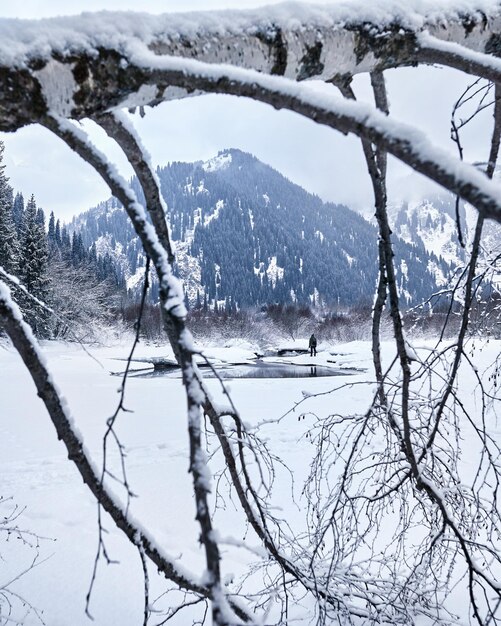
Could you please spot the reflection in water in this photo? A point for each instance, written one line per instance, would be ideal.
(259, 370)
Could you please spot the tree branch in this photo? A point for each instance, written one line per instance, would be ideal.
(80, 66)
(24, 342)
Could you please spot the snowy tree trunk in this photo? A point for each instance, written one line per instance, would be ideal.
(78, 67)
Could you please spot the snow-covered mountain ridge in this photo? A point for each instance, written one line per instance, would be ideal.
(246, 236)
(432, 223)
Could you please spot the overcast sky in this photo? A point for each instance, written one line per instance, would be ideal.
(318, 158)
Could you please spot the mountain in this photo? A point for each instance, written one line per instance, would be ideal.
(245, 235)
(432, 224)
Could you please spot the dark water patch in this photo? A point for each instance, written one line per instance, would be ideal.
(258, 370)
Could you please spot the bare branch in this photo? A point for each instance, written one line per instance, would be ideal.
(25, 344)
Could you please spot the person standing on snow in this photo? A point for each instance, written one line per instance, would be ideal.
(313, 345)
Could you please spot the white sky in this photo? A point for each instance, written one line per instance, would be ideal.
(318, 158)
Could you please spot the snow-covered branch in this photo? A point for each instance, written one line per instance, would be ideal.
(173, 312)
(80, 66)
(449, 53)
(26, 345)
(119, 128)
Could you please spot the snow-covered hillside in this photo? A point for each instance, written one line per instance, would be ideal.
(55, 503)
(432, 223)
(427, 221)
(246, 236)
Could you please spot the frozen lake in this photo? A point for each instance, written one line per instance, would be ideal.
(35, 472)
(253, 370)
(34, 469)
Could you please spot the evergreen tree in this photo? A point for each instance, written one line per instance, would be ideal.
(57, 234)
(65, 243)
(78, 253)
(54, 247)
(51, 233)
(9, 243)
(18, 212)
(41, 218)
(34, 252)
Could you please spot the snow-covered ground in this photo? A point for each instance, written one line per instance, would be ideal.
(35, 472)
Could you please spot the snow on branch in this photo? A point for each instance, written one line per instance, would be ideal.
(118, 127)
(173, 312)
(435, 50)
(79, 66)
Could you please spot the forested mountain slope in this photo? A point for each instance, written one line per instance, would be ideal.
(245, 236)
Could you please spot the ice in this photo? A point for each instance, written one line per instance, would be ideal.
(36, 472)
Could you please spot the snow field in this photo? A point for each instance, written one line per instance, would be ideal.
(34, 470)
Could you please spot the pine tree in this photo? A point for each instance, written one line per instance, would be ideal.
(9, 243)
(34, 252)
(65, 243)
(41, 218)
(57, 235)
(51, 233)
(18, 212)
(78, 252)
(54, 247)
